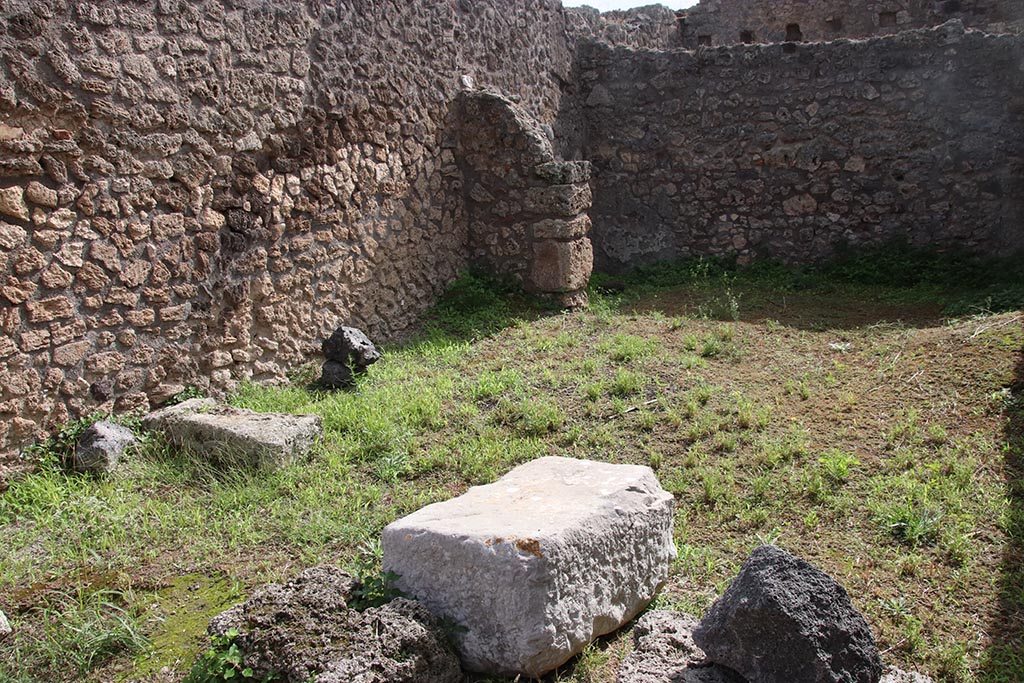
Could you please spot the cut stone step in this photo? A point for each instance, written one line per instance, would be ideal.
(535, 566)
(234, 435)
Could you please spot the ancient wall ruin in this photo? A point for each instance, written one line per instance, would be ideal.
(196, 193)
(784, 150)
(728, 22)
(527, 210)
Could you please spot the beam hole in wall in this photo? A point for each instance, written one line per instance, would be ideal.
(952, 6)
(704, 40)
(835, 24)
(746, 37)
(886, 19)
(793, 33)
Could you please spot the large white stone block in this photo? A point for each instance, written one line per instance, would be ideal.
(536, 565)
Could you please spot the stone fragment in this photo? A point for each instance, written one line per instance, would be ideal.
(92, 277)
(70, 354)
(561, 266)
(800, 204)
(100, 447)
(535, 566)
(351, 346)
(234, 436)
(12, 203)
(664, 652)
(305, 629)
(46, 310)
(55, 277)
(11, 236)
(563, 172)
(5, 626)
(40, 194)
(348, 352)
(894, 675)
(17, 291)
(782, 620)
(335, 375)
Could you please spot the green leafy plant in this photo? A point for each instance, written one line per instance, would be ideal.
(837, 465)
(185, 394)
(224, 661)
(60, 445)
(374, 590)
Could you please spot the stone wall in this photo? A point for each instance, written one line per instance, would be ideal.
(783, 150)
(651, 26)
(527, 210)
(196, 193)
(728, 22)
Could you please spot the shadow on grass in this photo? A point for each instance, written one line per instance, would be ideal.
(893, 284)
(475, 306)
(1004, 659)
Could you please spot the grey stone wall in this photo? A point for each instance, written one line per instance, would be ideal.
(729, 22)
(196, 193)
(783, 150)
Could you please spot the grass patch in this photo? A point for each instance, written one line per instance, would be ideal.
(886, 449)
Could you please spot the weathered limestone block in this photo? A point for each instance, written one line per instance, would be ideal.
(535, 566)
(782, 620)
(562, 229)
(558, 200)
(234, 435)
(561, 266)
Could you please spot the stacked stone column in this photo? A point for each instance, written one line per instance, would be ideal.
(527, 210)
(562, 256)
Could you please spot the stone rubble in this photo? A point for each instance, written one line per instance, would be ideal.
(305, 629)
(664, 652)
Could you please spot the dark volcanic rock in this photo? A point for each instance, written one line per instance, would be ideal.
(100, 447)
(305, 628)
(335, 375)
(350, 346)
(349, 352)
(782, 620)
(664, 652)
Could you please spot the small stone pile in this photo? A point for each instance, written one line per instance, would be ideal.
(781, 620)
(305, 629)
(348, 352)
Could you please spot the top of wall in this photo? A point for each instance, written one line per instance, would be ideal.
(728, 22)
(652, 26)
